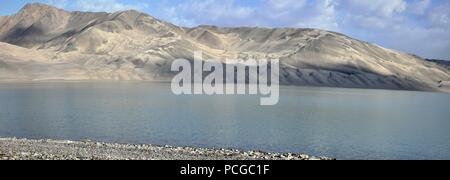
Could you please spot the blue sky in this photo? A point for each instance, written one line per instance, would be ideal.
(416, 26)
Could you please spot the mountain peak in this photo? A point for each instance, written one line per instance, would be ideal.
(131, 11)
(38, 6)
(37, 10)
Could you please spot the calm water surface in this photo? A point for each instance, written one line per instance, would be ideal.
(341, 123)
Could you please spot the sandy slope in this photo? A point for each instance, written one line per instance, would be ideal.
(2, 19)
(130, 45)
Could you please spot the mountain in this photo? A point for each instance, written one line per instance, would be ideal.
(444, 63)
(45, 43)
(2, 19)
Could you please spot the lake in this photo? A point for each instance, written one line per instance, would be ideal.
(334, 122)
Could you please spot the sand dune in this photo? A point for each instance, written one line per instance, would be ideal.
(46, 43)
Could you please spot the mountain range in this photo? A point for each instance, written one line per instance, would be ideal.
(41, 43)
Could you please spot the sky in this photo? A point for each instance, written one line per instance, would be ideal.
(415, 26)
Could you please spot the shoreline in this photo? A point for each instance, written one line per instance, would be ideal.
(168, 82)
(46, 149)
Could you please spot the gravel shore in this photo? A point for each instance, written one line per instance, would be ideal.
(25, 149)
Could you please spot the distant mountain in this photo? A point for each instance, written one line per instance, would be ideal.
(46, 43)
(444, 63)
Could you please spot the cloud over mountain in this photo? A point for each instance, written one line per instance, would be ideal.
(414, 26)
(98, 5)
(385, 22)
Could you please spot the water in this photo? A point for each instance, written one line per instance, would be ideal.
(341, 123)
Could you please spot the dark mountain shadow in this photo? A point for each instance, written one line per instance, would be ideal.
(25, 36)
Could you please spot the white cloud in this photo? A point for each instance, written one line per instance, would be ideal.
(323, 16)
(373, 15)
(286, 4)
(97, 5)
(427, 42)
(58, 3)
(301, 13)
(419, 7)
(107, 5)
(410, 26)
(269, 13)
(382, 8)
(440, 16)
(194, 12)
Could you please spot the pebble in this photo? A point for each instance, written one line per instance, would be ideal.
(23, 149)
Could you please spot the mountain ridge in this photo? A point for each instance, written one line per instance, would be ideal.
(131, 45)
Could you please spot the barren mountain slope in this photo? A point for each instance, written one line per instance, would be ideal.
(315, 57)
(443, 63)
(131, 45)
(2, 19)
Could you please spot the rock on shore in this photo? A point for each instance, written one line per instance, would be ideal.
(24, 149)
